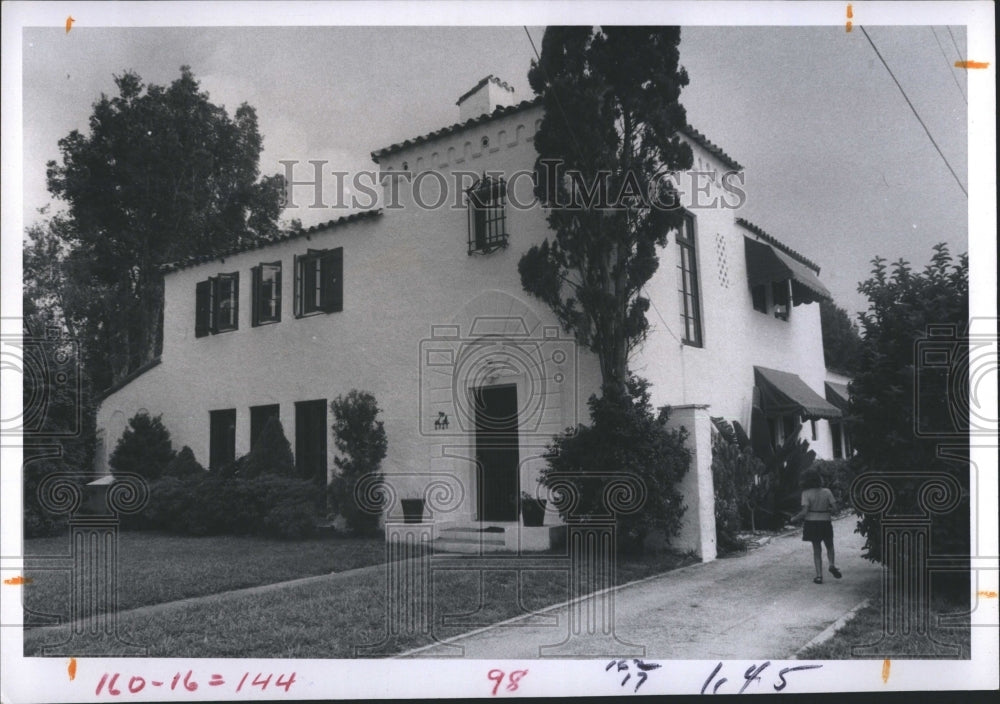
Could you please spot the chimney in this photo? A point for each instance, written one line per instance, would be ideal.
(485, 97)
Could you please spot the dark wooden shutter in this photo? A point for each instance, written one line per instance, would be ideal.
(297, 288)
(213, 302)
(332, 291)
(255, 298)
(277, 292)
(236, 299)
(203, 308)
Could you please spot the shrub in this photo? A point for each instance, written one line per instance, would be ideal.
(213, 505)
(740, 486)
(184, 464)
(271, 454)
(144, 448)
(891, 396)
(361, 441)
(624, 437)
(291, 520)
(38, 522)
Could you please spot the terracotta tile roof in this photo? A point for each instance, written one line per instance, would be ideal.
(283, 237)
(689, 131)
(771, 240)
(491, 77)
(452, 129)
(712, 148)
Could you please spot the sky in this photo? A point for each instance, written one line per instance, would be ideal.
(837, 165)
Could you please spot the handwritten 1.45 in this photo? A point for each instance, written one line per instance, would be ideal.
(753, 674)
(109, 683)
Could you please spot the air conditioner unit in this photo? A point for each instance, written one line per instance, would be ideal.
(781, 310)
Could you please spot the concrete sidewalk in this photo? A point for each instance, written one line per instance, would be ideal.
(759, 605)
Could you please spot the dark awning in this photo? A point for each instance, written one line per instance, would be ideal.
(782, 393)
(765, 265)
(837, 394)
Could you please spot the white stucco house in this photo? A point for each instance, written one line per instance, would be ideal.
(423, 307)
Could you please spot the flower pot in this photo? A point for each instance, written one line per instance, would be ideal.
(533, 512)
(413, 510)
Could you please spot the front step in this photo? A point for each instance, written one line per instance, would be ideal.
(470, 540)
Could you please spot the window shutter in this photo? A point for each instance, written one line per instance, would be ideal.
(236, 300)
(255, 301)
(203, 308)
(333, 281)
(277, 292)
(213, 297)
(297, 288)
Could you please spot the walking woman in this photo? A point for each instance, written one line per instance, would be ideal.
(818, 507)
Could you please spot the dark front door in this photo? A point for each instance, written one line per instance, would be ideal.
(497, 452)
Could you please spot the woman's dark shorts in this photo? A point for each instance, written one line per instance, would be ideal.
(817, 531)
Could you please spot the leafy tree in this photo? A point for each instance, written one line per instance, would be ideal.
(272, 453)
(841, 340)
(162, 174)
(624, 437)
(611, 116)
(361, 441)
(144, 448)
(891, 396)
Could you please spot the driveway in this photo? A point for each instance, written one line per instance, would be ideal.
(762, 604)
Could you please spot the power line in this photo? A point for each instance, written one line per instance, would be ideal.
(951, 66)
(915, 113)
(957, 50)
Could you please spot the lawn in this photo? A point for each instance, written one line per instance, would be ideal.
(155, 568)
(866, 627)
(331, 618)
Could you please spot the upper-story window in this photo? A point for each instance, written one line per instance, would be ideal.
(266, 293)
(782, 298)
(687, 266)
(319, 282)
(217, 304)
(487, 215)
(759, 295)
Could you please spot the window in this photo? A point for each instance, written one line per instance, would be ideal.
(217, 304)
(759, 294)
(781, 298)
(266, 293)
(812, 428)
(222, 438)
(310, 440)
(487, 215)
(835, 432)
(319, 282)
(688, 269)
(259, 416)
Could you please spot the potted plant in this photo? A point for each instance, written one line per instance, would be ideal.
(532, 510)
(413, 510)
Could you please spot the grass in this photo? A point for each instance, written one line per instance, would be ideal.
(866, 627)
(332, 618)
(156, 568)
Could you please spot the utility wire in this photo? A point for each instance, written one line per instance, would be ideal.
(957, 50)
(951, 66)
(916, 114)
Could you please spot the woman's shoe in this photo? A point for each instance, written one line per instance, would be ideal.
(817, 580)
(835, 572)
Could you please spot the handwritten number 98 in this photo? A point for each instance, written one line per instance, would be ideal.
(497, 677)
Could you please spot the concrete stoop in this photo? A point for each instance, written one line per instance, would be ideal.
(479, 538)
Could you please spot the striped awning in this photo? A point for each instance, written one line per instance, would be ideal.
(766, 265)
(837, 394)
(784, 393)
